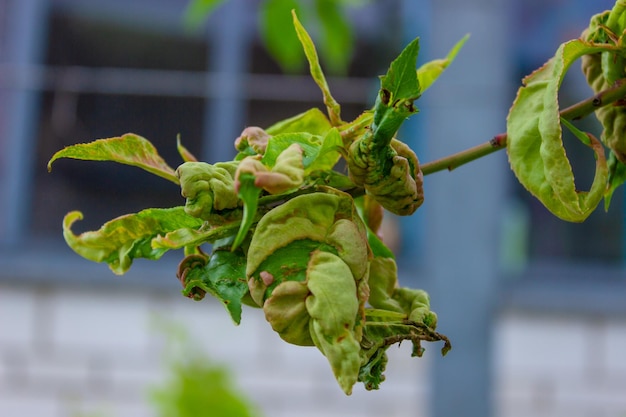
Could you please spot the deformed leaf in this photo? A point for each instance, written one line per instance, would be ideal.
(333, 307)
(128, 149)
(283, 174)
(535, 144)
(208, 188)
(128, 237)
(603, 69)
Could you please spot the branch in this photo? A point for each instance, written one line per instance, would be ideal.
(616, 93)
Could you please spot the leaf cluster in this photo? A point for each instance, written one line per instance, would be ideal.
(290, 232)
(298, 237)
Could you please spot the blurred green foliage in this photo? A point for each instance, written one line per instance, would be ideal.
(196, 386)
(334, 34)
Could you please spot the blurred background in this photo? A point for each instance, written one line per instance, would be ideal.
(535, 307)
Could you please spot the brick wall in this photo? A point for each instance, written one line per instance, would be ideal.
(64, 352)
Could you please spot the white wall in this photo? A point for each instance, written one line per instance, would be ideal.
(66, 351)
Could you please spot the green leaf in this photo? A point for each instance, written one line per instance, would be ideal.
(249, 193)
(401, 79)
(197, 11)
(333, 108)
(279, 39)
(224, 277)
(399, 88)
(309, 143)
(535, 144)
(336, 35)
(429, 72)
(319, 153)
(617, 177)
(128, 149)
(312, 121)
(328, 154)
(128, 237)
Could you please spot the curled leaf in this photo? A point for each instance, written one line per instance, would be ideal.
(286, 173)
(333, 307)
(252, 141)
(387, 168)
(308, 262)
(128, 237)
(535, 144)
(208, 188)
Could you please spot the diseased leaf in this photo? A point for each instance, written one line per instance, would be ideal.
(428, 73)
(128, 149)
(286, 173)
(535, 144)
(603, 69)
(333, 307)
(384, 328)
(208, 188)
(387, 168)
(128, 237)
(333, 108)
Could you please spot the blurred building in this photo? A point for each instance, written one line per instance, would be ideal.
(535, 307)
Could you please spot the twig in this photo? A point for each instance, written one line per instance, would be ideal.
(576, 111)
